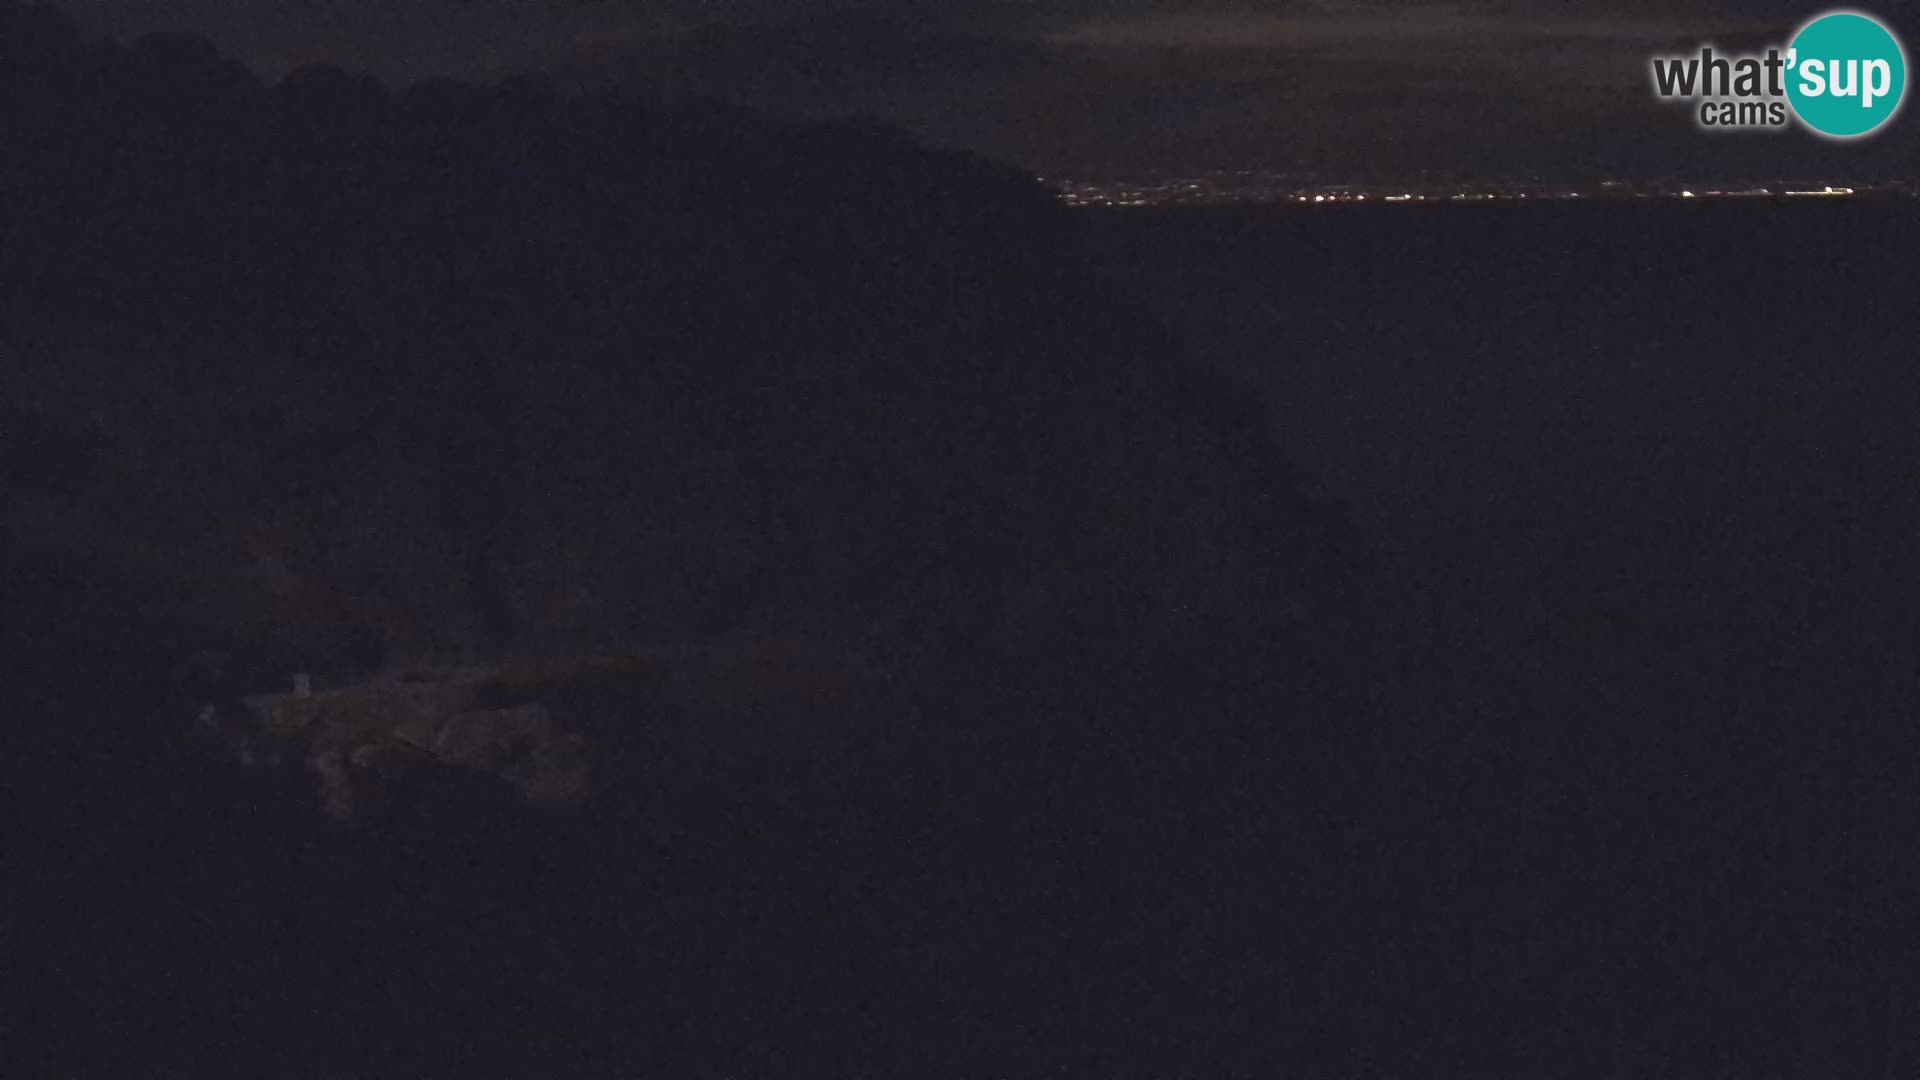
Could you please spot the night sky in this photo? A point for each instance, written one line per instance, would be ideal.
(1348, 89)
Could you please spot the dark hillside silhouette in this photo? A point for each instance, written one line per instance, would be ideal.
(880, 364)
(334, 379)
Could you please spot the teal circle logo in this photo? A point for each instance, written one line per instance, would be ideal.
(1846, 74)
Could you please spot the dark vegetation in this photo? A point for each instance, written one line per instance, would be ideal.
(324, 377)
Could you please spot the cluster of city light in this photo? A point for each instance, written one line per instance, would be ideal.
(1248, 189)
(1088, 196)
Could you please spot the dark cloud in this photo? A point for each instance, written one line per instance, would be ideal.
(1087, 85)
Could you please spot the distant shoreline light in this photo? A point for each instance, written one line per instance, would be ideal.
(1242, 189)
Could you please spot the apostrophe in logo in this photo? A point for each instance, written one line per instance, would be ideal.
(1847, 75)
(1843, 75)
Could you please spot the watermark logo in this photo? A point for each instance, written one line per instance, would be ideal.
(1843, 76)
(1852, 75)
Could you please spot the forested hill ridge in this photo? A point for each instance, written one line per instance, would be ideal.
(368, 377)
(331, 379)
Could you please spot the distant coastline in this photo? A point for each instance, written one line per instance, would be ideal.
(1263, 189)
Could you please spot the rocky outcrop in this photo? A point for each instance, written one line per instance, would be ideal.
(524, 725)
(362, 743)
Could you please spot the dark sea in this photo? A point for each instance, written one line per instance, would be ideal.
(1642, 486)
